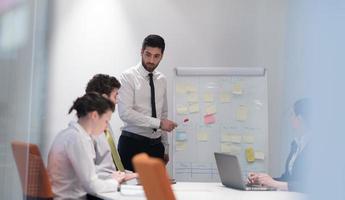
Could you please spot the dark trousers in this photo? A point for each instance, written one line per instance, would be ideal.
(129, 147)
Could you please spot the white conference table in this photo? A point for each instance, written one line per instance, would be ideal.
(203, 191)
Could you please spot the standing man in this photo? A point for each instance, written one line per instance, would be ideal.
(143, 106)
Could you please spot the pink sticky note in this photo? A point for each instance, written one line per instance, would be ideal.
(209, 119)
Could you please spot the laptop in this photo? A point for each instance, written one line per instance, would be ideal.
(231, 175)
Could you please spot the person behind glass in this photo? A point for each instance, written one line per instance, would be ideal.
(71, 157)
(295, 173)
(143, 106)
(105, 160)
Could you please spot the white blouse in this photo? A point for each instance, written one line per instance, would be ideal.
(71, 165)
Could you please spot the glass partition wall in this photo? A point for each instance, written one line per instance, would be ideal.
(22, 84)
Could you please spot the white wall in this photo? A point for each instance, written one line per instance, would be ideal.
(90, 37)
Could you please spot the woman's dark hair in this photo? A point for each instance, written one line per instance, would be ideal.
(303, 108)
(154, 41)
(102, 84)
(91, 102)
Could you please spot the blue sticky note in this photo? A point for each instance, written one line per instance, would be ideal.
(181, 136)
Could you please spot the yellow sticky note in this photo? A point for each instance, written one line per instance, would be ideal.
(259, 155)
(237, 89)
(208, 97)
(194, 108)
(210, 109)
(181, 146)
(229, 148)
(202, 136)
(182, 110)
(242, 113)
(191, 88)
(250, 154)
(235, 138)
(225, 97)
(193, 97)
(180, 88)
(248, 139)
(225, 137)
(225, 148)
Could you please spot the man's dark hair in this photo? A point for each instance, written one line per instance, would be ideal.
(102, 84)
(303, 108)
(154, 41)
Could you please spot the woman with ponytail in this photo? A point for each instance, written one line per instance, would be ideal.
(71, 158)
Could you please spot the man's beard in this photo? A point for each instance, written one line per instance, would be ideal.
(151, 69)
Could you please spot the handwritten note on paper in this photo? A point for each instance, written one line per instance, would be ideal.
(193, 97)
(237, 89)
(210, 109)
(194, 108)
(248, 139)
(259, 155)
(209, 119)
(181, 146)
(250, 154)
(202, 136)
(225, 97)
(182, 110)
(180, 136)
(242, 113)
(208, 97)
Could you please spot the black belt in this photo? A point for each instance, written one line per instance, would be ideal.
(141, 138)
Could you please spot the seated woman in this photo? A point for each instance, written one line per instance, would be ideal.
(295, 173)
(71, 158)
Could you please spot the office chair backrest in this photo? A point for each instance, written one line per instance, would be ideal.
(154, 177)
(32, 172)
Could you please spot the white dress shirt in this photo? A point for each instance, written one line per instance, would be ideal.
(135, 103)
(104, 162)
(71, 165)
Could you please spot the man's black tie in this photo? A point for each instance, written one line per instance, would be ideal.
(153, 101)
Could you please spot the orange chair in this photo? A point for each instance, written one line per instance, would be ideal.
(32, 172)
(154, 177)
